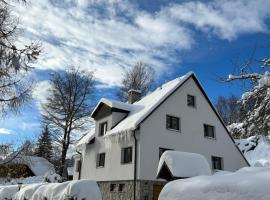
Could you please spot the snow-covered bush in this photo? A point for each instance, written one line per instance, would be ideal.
(246, 184)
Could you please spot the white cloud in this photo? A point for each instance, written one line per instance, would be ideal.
(5, 131)
(227, 19)
(41, 92)
(106, 35)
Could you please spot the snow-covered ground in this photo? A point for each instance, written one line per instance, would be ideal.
(256, 150)
(80, 189)
(248, 183)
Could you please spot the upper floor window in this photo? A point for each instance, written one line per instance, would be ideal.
(217, 163)
(191, 100)
(209, 131)
(126, 155)
(173, 123)
(162, 150)
(103, 128)
(101, 160)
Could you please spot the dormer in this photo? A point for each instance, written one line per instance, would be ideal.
(114, 111)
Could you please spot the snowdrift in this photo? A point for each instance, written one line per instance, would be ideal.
(245, 184)
(80, 189)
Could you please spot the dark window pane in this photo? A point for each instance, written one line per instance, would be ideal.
(172, 122)
(102, 128)
(112, 187)
(217, 163)
(101, 160)
(78, 166)
(126, 156)
(121, 187)
(209, 131)
(191, 100)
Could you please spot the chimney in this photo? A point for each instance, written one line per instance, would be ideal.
(134, 95)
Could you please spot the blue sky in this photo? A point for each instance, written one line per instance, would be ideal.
(174, 37)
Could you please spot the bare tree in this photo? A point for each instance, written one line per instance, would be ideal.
(69, 106)
(140, 77)
(229, 108)
(15, 62)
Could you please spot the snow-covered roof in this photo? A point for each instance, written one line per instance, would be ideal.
(184, 164)
(38, 165)
(86, 139)
(142, 108)
(113, 104)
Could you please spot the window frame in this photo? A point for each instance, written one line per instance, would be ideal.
(98, 160)
(123, 156)
(170, 118)
(204, 131)
(100, 132)
(121, 187)
(113, 187)
(221, 163)
(194, 101)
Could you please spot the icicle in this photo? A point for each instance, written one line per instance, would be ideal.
(117, 138)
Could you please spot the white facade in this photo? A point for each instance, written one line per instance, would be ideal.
(152, 134)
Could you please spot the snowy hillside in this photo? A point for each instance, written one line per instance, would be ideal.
(256, 150)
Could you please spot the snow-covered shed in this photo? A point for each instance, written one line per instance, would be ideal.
(177, 165)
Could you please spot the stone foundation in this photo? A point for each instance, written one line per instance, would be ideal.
(123, 190)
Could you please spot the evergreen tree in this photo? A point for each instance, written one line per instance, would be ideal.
(44, 144)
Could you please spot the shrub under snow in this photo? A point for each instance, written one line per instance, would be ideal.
(79, 190)
(248, 183)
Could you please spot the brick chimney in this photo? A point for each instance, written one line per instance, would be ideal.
(134, 95)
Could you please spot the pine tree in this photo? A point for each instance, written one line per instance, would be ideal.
(44, 144)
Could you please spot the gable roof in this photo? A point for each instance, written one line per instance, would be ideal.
(142, 108)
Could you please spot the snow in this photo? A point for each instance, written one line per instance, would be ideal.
(142, 108)
(256, 149)
(80, 189)
(245, 184)
(86, 139)
(113, 104)
(184, 164)
(38, 165)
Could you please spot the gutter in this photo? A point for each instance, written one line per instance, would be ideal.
(135, 165)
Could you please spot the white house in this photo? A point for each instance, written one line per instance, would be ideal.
(122, 152)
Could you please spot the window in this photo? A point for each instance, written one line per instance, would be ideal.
(217, 163)
(126, 155)
(191, 100)
(172, 123)
(78, 165)
(112, 187)
(209, 131)
(101, 160)
(162, 150)
(103, 128)
(121, 187)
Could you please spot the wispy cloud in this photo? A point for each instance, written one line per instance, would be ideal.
(107, 35)
(5, 131)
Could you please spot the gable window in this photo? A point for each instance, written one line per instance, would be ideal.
(162, 150)
(101, 160)
(191, 100)
(209, 131)
(126, 155)
(172, 123)
(78, 165)
(217, 163)
(103, 128)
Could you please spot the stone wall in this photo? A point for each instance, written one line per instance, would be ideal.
(111, 190)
